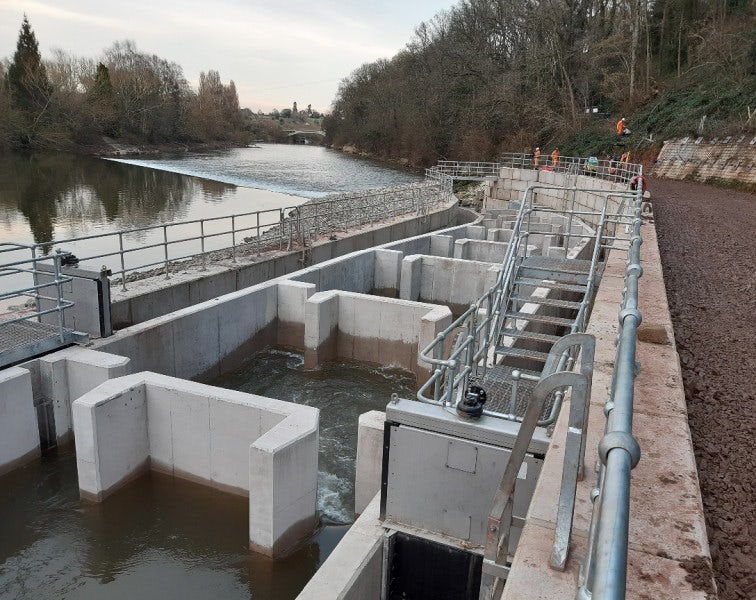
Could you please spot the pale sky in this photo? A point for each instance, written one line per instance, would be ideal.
(276, 51)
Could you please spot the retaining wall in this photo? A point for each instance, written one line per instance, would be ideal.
(729, 159)
(234, 441)
(148, 299)
(513, 182)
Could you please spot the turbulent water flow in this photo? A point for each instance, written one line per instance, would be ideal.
(342, 392)
(161, 537)
(307, 171)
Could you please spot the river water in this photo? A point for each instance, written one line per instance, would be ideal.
(161, 537)
(49, 198)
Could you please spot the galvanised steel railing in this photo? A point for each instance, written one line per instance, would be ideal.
(604, 572)
(608, 169)
(165, 246)
(462, 349)
(30, 330)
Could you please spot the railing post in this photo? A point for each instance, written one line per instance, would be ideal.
(58, 301)
(233, 238)
(165, 250)
(123, 262)
(202, 245)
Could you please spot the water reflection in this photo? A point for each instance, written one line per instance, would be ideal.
(158, 537)
(67, 196)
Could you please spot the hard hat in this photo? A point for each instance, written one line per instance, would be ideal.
(537, 148)
(623, 118)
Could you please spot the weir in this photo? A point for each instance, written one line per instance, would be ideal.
(496, 453)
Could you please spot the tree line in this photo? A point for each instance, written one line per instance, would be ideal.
(488, 76)
(71, 103)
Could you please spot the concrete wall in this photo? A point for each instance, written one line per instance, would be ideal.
(149, 299)
(67, 374)
(354, 569)
(234, 441)
(372, 329)
(513, 182)
(19, 437)
(453, 282)
(367, 479)
(204, 340)
(715, 160)
(491, 252)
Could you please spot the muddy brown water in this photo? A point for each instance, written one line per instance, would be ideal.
(161, 537)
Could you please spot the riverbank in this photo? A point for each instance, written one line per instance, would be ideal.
(707, 251)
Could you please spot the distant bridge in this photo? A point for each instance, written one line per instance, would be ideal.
(292, 132)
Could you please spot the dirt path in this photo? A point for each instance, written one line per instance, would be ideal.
(708, 251)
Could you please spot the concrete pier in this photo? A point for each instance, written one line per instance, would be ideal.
(236, 442)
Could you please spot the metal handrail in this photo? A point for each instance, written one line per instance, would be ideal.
(500, 518)
(28, 266)
(281, 227)
(604, 572)
(451, 372)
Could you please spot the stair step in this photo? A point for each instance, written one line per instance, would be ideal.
(508, 351)
(561, 265)
(546, 301)
(529, 335)
(554, 285)
(536, 318)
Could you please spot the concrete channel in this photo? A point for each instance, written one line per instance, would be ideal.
(426, 477)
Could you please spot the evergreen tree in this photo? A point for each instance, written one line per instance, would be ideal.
(27, 78)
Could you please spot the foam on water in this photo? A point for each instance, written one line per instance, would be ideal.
(342, 392)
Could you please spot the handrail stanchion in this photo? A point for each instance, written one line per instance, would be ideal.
(233, 238)
(202, 246)
(123, 262)
(165, 250)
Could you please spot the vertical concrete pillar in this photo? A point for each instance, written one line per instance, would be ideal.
(388, 270)
(321, 328)
(283, 480)
(112, 440)
(367, 481)
(19, 436)
(441, 245)
(412, 269)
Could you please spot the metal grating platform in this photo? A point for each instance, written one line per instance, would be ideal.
(498, 385)
(25, 339)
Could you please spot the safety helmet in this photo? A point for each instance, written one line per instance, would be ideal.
(623, 118)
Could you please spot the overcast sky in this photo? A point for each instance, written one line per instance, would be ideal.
(276, 51)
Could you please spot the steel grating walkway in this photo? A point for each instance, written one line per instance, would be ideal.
(24, 339)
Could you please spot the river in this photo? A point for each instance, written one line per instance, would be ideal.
(50, 198)
(161, 537)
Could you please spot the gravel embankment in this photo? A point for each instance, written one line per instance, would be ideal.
(708, 252)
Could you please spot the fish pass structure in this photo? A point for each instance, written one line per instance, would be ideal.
(499, 321)
(505, 367)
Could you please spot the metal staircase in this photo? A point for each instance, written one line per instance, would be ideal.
(543, 304)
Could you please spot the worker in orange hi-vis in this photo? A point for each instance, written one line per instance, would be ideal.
(621, 128)
(536, 157)
(555, 158)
